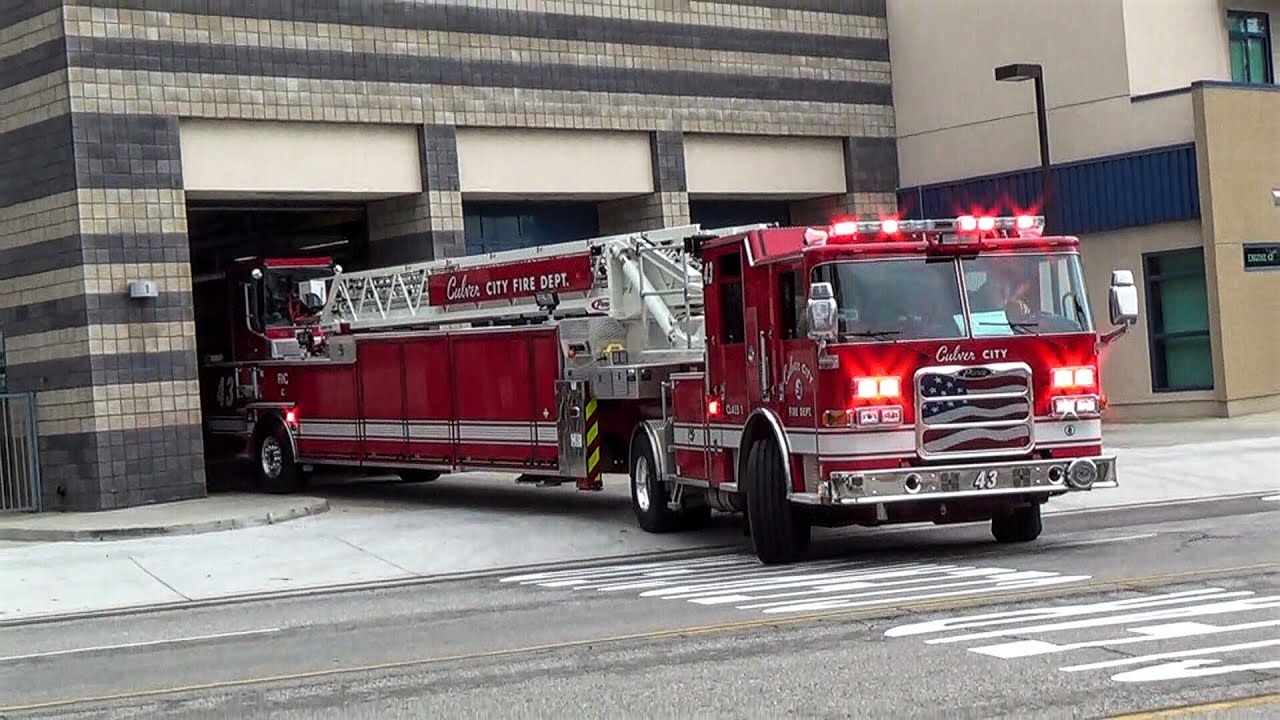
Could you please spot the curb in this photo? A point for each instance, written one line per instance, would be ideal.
(303, 508)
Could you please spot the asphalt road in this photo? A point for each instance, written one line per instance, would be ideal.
(1108, 613)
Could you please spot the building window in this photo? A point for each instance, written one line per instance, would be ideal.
(1178, 321)
(1250, 39)
(499, 226)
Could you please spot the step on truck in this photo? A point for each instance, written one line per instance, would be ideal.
(862, 373)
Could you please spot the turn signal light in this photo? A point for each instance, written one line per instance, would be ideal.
(876, 388)
(1074, 377)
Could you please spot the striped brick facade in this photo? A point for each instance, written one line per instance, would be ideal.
(91, 192)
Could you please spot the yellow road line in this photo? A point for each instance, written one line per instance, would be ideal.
(716, 628)
(1238, 703)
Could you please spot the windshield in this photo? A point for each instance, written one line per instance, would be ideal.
(1013, 294)
(282, 305)
(907, 299)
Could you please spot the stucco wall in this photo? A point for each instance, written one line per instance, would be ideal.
(1239, 162)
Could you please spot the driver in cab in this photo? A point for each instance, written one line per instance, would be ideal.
(1003, 292)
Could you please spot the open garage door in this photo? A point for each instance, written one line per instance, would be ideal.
(220, 232)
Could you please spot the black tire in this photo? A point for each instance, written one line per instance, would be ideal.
(418, 476)
(778, 533)
(649, 501)
(276, 469)
(1019, 525)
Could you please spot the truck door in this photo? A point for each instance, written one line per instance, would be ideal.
(730, 376)
(793, 355)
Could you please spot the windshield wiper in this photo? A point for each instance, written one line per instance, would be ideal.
(877, 334)
(1079, 311)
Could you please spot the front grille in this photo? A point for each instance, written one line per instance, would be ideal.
(974, 410)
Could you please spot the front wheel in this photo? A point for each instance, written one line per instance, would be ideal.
(277, 469)
(778, 533)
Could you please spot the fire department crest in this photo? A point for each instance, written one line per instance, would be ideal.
(796, 375)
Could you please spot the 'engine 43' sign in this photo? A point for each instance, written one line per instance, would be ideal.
(503, 282)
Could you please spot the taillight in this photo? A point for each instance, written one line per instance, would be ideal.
(1074, 378)
(877, 388)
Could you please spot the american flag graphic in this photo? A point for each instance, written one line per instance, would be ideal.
(963, 414)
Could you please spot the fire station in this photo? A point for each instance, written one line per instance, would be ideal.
(146, 145)
(1161, 122)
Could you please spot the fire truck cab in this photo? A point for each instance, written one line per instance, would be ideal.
(888, 372)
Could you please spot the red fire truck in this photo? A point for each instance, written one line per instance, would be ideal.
(867, 372)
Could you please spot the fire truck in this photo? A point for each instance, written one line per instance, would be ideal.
(866, 372)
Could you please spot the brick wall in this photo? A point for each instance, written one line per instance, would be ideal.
(88, 202)
(90, 169)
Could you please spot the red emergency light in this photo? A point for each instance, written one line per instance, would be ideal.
(961, 230)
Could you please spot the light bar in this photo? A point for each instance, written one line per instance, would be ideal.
(948, 230)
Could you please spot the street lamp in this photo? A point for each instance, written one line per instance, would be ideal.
(1020, 72)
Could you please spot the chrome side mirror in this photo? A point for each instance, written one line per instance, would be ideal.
(821, 311)
(1124, 298)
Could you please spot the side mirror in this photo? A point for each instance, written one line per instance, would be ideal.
(821, 311)
(1124, 298)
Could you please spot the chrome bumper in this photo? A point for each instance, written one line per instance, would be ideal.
(970, 480)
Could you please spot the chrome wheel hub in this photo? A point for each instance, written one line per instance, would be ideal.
(641, 483)
(272, 458)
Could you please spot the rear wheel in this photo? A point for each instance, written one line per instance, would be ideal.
(277, 469)
(1019, 525)
(648, 491)
(778, 533)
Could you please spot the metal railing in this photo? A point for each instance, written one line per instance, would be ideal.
(19, 454)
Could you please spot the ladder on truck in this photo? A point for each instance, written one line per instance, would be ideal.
(648, 276)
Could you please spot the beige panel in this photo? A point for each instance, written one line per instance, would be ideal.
(743, 165)
(1172, 44)
(1075, 133)
(1126, 363)
(228, 158)
(1240, 165)
(941, 80)
(582, 164)
(955, 121)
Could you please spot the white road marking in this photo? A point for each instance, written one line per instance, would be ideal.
(1271, 498)
(141, 644)
(1175, 616)
(741, 582)
(1104, 540)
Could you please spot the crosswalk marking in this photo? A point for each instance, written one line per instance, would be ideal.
(1070, 630)
(742, 583)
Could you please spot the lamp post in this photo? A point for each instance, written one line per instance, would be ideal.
(1020, 72)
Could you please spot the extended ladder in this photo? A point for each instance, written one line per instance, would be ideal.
(641, 274)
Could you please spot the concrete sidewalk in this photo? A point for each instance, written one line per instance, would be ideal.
(185, 517)
(376, 532)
